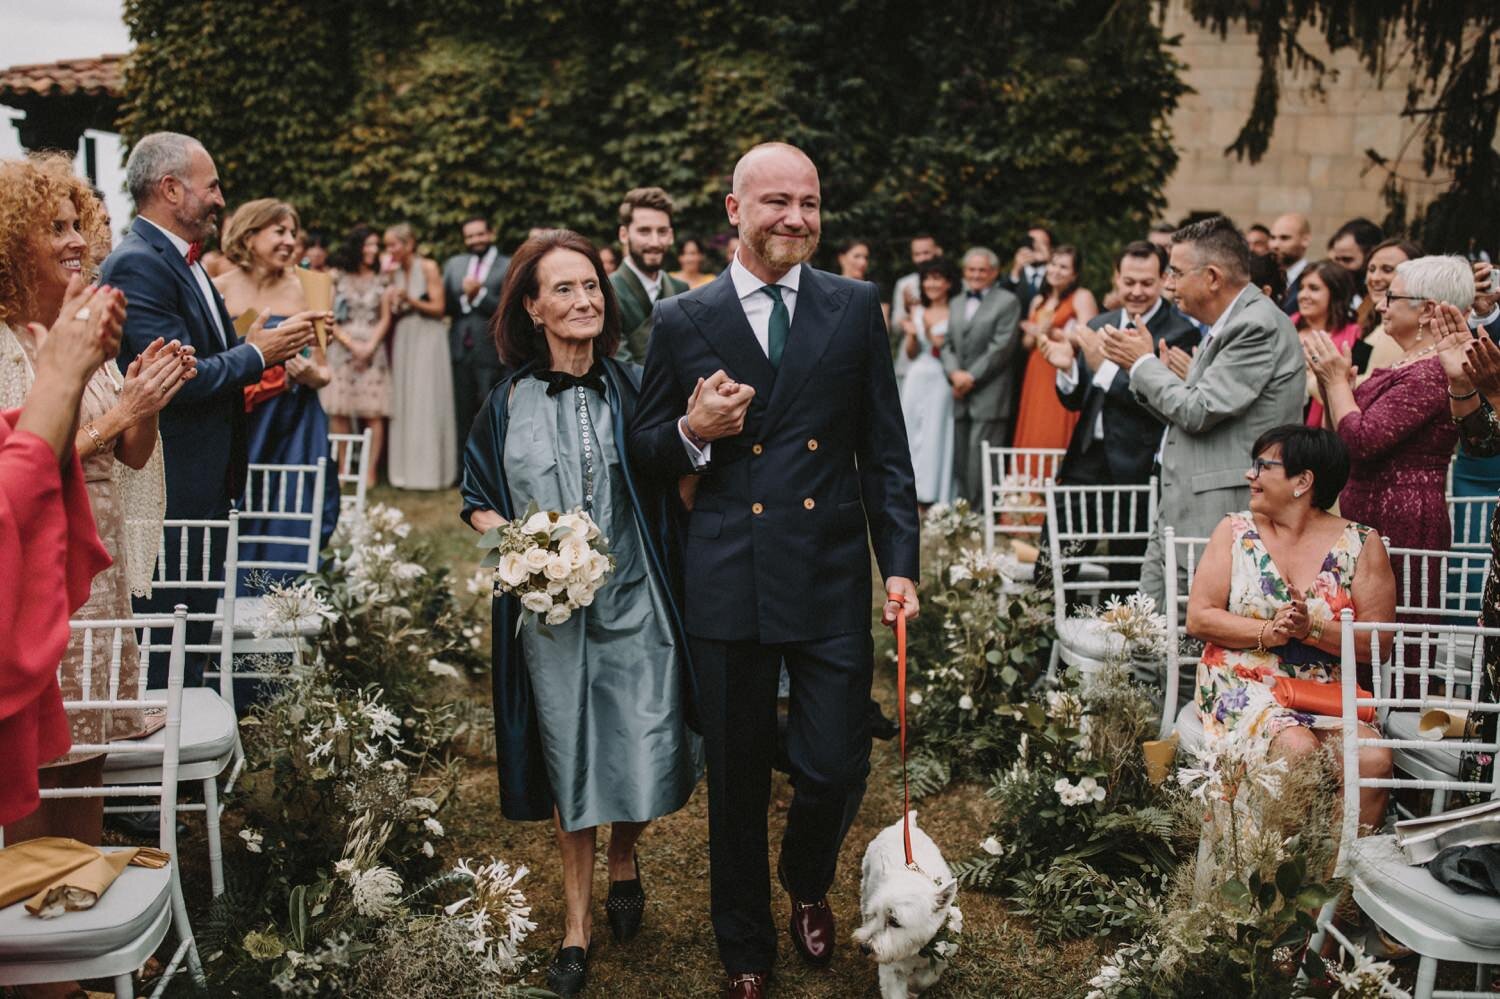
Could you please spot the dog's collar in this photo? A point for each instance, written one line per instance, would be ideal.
(941, 946)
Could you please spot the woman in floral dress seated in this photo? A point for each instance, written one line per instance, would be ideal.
(1268, 593)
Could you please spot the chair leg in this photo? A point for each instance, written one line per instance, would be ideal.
(1325, 916)
(1426, 978)
(215, 846)
(1439, 801)
(184, 930)
(1052, 662)
(125, 986)
(1481, 977)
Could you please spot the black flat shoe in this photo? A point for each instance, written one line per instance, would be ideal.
(626, 906)
(568, 971)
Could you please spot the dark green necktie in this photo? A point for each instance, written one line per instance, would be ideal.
(781, 325)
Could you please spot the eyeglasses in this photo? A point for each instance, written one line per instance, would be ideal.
(1389, 298)
(1177, 275)
(1261, 464)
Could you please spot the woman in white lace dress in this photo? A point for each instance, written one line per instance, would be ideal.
(116, 439)
(926, 398)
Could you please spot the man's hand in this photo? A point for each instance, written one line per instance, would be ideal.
(471, 287)
(1177, 360)
(1126, 346)
(285, 340)
(1059, 351)
(719, 411)
(1089, 342)
(1485, 293)
(962, 382)
(907, 605)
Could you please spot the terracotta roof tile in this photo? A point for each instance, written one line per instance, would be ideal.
(102, 75)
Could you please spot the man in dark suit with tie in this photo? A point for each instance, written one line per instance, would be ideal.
(641, 280)
(1116, 439)
(773, 385)
(1028, 268)
(471, 290)
(168, 294)
(978, 355)
(1290, 236)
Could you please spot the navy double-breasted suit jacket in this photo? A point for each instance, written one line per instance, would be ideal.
(777, 543)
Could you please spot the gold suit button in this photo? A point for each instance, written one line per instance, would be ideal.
(757, 509)
(812, 445)
(808, 503)
(756, 448)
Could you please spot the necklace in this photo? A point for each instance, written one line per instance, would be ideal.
(1411, 358)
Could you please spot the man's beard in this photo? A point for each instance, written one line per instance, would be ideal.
(640, 261)
(197, 218)
(780, 257)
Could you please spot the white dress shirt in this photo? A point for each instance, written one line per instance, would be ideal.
(972, 304)
(1067, 381)
(757, 305)
(465, 303)
(652, 285)
(205, 286)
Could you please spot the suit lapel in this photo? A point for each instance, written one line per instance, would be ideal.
(175, 262)
(1212, 346)
(636, 289)
(819, 309)
(720, 318)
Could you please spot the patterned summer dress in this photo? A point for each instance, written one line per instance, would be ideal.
(354, 391)
(1233, 692)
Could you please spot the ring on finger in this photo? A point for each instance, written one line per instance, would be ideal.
(82, 314)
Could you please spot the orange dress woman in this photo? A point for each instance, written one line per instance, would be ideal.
(1043, 421)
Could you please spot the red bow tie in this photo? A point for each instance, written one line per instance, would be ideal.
(195, 250)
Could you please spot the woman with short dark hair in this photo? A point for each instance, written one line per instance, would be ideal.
(589, 713)
(1268, 593)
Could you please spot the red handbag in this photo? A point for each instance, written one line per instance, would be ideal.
(1316, 698)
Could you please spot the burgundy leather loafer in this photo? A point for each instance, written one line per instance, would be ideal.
(811, 927)
(747, 985)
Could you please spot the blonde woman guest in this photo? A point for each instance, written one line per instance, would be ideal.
(51, 219)
(690, 260)
(423, 439)
(287, 425)
(361, 385)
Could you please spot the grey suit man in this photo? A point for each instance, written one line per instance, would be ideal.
(471, 290)
(1248, 376)
(977, 355)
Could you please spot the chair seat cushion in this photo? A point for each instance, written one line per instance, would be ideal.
(1442, 758)
(208, 730)
(1014, 569)
(1088, 638)
(123, 913)
(250, 615)
(1381, 871)
(1189, 728)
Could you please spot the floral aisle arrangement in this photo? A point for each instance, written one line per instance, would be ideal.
(552, 562)
(974, 653)
(336, 885)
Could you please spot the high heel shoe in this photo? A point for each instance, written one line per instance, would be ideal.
(568, 971)
(626, 906)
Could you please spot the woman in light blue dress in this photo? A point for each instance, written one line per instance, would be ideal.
(926, 397)
(590, 714)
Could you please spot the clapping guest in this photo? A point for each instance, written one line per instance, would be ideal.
(1267, 595)
(905, 294)
(287, 425)
(1350, 247)
(361, 368)
(926, 399)
(424, 437)
(1379, 270)
(1323, 306)
(1396, 423)
(589, 713)
(1042, 421)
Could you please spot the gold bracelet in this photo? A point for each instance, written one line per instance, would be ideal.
(1260, 641)
(1315, 632)
(99, 445)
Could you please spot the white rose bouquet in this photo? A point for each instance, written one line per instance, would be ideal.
(552, 562)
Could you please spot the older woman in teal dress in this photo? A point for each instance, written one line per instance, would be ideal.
(590, 714)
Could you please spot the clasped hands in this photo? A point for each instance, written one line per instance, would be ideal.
(1291, 621)
(719, 411)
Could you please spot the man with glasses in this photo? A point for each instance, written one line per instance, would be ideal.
(1247, 377)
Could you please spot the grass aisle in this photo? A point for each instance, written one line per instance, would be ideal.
(675, 955)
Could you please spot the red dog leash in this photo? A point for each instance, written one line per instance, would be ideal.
(900, 601)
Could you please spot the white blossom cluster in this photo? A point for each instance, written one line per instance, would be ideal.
(369, 727)
(290, 606)
(976, 564)
(1117, 974)
(1086, 791)
(553, 562)
(372, 570)
(495, 914)
(1228, 764)
(1136, 620)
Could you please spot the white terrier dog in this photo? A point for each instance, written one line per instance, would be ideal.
(908, 916)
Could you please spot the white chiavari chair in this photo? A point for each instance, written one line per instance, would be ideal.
(285, 493)
(1179, 710)
(129, 921)
(350, 454)
(1014, 479)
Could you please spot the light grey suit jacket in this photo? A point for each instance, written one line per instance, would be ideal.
(1246, 379)
(984, 346)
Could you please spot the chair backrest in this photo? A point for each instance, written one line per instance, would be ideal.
(1180, 558)
(1077, 514)
(351, 460)
(1389, 696)
(1442, 584)
(1013, 481)
(290, 493)
(195, 569)
(1470, 517)
(157, 633)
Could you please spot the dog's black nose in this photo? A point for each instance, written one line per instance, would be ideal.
(865, 949)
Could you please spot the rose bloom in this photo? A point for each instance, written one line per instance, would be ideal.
(559, 613)
(538, 523)
(557, 567)
(537, 603)
(580, 594)
(598, 566)
(537, 559)
(513, 569)
(574, 550)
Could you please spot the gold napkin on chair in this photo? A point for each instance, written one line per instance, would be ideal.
(55, 874)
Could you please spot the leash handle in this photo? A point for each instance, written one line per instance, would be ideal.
(900, 601)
